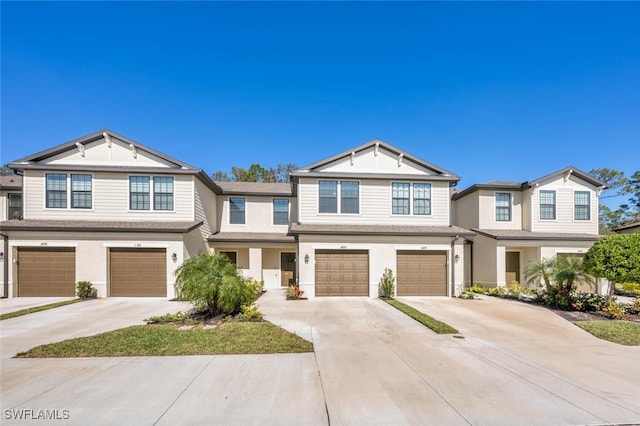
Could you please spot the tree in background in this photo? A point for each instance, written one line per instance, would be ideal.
(5, 171)
(616, 258)
(256, 173)
(619, 186)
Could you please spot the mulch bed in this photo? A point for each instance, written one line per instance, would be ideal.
(574, 316)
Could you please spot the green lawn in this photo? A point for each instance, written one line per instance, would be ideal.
(38, 309)
(622, 332)
(432, 323)
(167, 340)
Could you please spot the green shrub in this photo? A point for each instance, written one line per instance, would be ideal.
(387, 284)
(250, 312)
(614, 310)
(257, 286)
(85, 290)
(556, 296)
(168, 318)
(498, 291)
(294, 292)
(633, 308)
(477, 288)
(213, 283)
(589, 302)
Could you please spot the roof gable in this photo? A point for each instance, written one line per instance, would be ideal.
(376, 158)
(102, 148)
(570, 172)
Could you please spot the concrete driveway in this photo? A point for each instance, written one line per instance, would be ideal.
(518, 364)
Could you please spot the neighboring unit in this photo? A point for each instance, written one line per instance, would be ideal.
(629, 228)
(517, 223)
(106, 209)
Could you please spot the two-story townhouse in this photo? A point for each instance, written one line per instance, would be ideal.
(254, 220)
(518, 223)
(375, 207)
(109, 210)
(10, 208)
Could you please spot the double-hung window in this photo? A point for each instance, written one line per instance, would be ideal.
(237, 210)
(581, 205)
(400, 198)
(143, 189)
(328, 196)
(56, 191)
(503, 207)
(14, 201)
(163, 193)
(547, 205)
(349, 197)
(422, 198)
(80, 191)
(280, 211)
(139, 188)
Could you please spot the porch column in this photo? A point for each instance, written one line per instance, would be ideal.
(255, 263)
(501, 265)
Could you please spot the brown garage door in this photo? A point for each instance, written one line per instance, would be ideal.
(342, 273)
(422, 273)
(138, 272)
(46, 272)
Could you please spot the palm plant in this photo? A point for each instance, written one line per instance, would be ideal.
(540, 271)
(569, 270)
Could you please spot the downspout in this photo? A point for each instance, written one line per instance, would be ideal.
(5, 258)
(453, 266)
(470, 243)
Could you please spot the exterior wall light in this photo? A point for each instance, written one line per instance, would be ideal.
(174, 257)
(456, 258)
(306, 259)
(1, 256)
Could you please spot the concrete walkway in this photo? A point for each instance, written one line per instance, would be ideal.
(517, 364)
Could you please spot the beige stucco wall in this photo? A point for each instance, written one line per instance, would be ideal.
(375, 205)
(258, 214)
(92, 253)
(382, 254)
(485, 261)
(466, 211)
(487, 210)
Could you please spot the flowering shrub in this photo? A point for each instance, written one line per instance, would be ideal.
(588, 302)
(294, 292)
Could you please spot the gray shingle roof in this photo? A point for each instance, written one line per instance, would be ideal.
(519, 234)
(405, 230)
(11, 182)
(252, 237)
(258, 188)
(98, 226)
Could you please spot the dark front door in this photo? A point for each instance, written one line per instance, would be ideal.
(287, 269)
(513, 267)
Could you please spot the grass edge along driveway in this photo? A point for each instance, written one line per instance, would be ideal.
(232, 337)
(424, 319)
(35, 309)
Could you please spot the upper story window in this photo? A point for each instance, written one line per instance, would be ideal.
(581, 205)
(328, 196)
(280, 211)
(140, 194)
(422, 198)
(349, 197)
(399, 198)
(80, 191)
(14, 205)
(547, 205)
(237, 210)
(56, 191)
(163, 193)
(503, 207)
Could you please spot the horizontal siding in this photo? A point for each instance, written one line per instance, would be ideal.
(375, 205)
(564, 221)
(110, 200)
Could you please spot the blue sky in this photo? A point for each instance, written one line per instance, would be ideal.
(508, 91)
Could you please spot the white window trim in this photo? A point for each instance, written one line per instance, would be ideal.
(555, 198)
(411, 199)
(339, 197)
(495, 207)
(573, 213)
(246, 212)
(273, 216)
(68, 181)
(151, 194)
